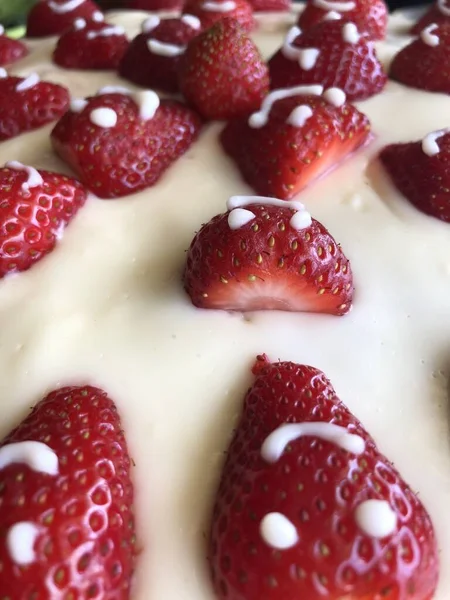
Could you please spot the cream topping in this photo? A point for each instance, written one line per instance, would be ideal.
(350, 33)
(332, 15)
(77, 105)
(150, 24)
(376, 518)
(28, 82)
(430, 144)
(334, 6)
(3, 73)
(335, 96)
(106, 32)
(242, 201)
(222, 7)
(34, 177)
(300, 115)
(192, 21)
(164, 49)
(278, 532)
(261, 118)
(442, 6)
(103, 116)
(36, 455)
(306, 57)
(239, 217)
(2, 30)
(428, 37)
(65, 7)
(20, 540)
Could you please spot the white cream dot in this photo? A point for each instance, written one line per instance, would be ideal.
(278, 532)
(376, 518)
(239, 217)
(103, 117)
(20, 541)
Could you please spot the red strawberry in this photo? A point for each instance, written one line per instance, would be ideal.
(308, 507)
(294, 139)
(153, 56)
(332, 53)
(212, 11)
(438, 13)
(269, 255)
(35, 207)
(424, 62)
(10, 50)
(29, 103)
(270, 5)
(53, 17)
(120, 143)
(222, 73)
(151, 5)
(421, 172)
(93, 45)
(369, 16)
(71, 535)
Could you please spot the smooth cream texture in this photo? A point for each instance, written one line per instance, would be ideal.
(107, 307)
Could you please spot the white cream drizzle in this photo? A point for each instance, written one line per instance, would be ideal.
(335, 96)
(192, 21)
(146, 100)
(150, 24)
(332, 15)
(443, 8)
(334, 6)
(79, 24)
(350, 33)
(20, 541)
(28, 82)
(104, 116)
(276, 442)
(2, 30)
(239, 217)
(65, 7)
(222, 7)
(242, 201)
(98, 16)
(164, 49)
(3, 73)
(376, 518)
(301, 219)
(429, 143)
(300, 115)
(77, 105)
(260, 118)
(428, 37)
(307, 57)
(34, 177)
(278, 532)
(106, 32)
(36, 455)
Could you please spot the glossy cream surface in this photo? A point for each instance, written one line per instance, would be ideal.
(107, 307)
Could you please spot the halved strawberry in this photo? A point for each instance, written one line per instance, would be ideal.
(222, 73)
(438, 13)
(369, 16)
(35, 207)
(267, 254)
(66, 512)
(294, 139)
(10, 50)
(28, 103)
(309, 508)
(53, 17)
(332, 53)
(91, 45)
(153, 57)
(271, 5)
(212, 11)
(152, 5)
(421, 172)
(424, 62)
(121, 142)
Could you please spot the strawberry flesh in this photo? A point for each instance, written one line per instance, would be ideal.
(11, 50)
(43, 20)
(317, 486)
(242, 13)
(268, 265)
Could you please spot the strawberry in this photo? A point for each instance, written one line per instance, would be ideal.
(369, 16)
(28, 103)
(421, 172)
(53, 17)
(423, 63)
(152, 5)
(332, 53)
(120, 143)
(438, 13)
(35, 207)
(222, 73)
(309, 508)
(270, 5)
(294, 139)
(92, 45)
(212, 11)
(10, 50)
(153, 56)
(269, 255)
(71, 535)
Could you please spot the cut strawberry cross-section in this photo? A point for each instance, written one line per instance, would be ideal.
(211, 11)
(299, 134)
(53, 17)
(309, 508)
(267, 254)
(120, 142)
(332, 53)
(10, 50)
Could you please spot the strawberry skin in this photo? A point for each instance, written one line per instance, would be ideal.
(31, 220)
(279, 159)
(43, 20)
(31, 108)
(318, 487)
(152, 5)
(419, 65)
(370, 16)
(86, 542)
(77, 49)
(271, 5)
(10, 50)
(433, 15)
(268, 265)
(129, 156)
(150, 70)
(222, 73)
(242, 13)
(352, 67)
(424, 180)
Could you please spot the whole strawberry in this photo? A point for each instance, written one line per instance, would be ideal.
(72, 533)
(267, 254)
(35, 207)
(309, 508)
(53, 17)
(212, 11)
(10, 50)
(222, 73)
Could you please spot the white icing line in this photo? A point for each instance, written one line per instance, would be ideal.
(65, 7)
(192, 21)
(36, 455)
(150, 24)
(300, 115)
(376, 518)
(78, 104)
(428, 37)
(350, 33)
(163, 49)
(287, 49)
(300, 220)
(445, 10)
(278, 532)
(242, 201)
(103, 117)
(335, 96)
(79, 24)
(260, 118)
(28, 82)
(239, 217)
(429, 142)
(148, 103)
(222, 7)
(332, 15)
(20, 541)
(98, 16)
(307, 57)
(107, 32)
(275, 443)
(334, 6)
(3, 73)
(34, 177)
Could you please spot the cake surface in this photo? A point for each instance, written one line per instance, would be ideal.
(107, 307)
